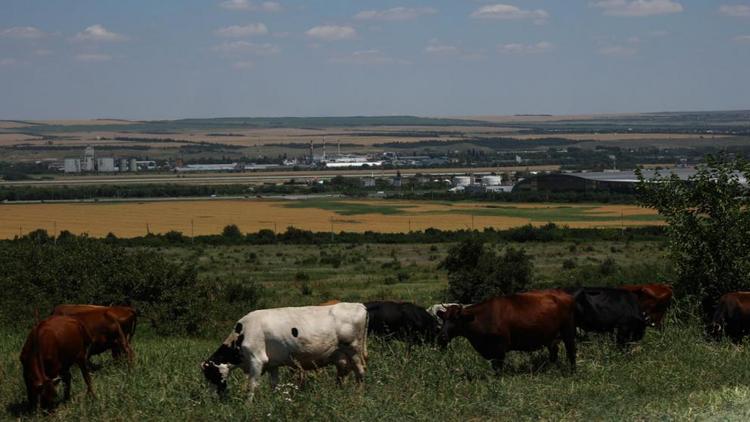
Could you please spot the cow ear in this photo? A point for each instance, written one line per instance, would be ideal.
(441, 314)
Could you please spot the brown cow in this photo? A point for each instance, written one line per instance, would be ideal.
(104, 326)
(330, 302)
(52, 347)
(654, 300)
(524, 321)
(125, 315)
(732, 317)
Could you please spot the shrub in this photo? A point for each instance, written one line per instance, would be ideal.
(231, 231)
(476, 272)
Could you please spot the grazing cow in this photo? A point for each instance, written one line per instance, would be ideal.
(654, 300)
(732, 317)
(304, 338)
(104, 326)
(402, 320)
(125, 315)
(52, 347)
(524, 321)
(606, 310)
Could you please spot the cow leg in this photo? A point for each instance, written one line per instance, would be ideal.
(273, 377)
(254, 371)
(497, 364)
(86, 377)
(359, 367)
(553, 349)
(65, 375)
(343, 367)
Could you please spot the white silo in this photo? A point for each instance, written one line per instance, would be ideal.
(492, 180)
(462, 181)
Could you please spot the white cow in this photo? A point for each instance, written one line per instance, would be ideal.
(307, 337)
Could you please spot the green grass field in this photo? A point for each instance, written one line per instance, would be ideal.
(674, 374)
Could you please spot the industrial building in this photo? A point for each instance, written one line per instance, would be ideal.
(89, 163)
(608, 181)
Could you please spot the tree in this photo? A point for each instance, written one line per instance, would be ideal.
(708, 227)
(476, 272)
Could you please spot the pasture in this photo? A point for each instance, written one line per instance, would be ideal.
(674, 374)
(389, 216)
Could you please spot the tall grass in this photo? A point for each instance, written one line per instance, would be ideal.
(673, 374)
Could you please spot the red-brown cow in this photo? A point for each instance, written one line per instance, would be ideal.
(654, 300)
(125, 315)
(524, 321)
(104, 327)
(52, 347)
(732, 317)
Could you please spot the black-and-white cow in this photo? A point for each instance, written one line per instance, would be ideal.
(305, 338)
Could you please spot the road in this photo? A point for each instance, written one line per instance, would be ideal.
(254, 178)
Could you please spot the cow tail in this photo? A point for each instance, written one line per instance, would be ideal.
(37, 350)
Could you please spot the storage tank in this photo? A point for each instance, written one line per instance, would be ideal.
(492, 180)
(123, 164)
(462, 181)
(72, 165)
(105, 164)
(133, 165)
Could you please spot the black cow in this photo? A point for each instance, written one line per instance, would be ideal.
(607, 310)
(401, 320)
(732, 317)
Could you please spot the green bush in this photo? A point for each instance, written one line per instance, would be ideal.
(476, 272)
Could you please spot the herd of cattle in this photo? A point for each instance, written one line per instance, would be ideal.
(335, 333)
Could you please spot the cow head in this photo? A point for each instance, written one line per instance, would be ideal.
(216, 368)
(455, 319)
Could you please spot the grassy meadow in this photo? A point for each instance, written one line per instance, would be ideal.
(671, 374)
(130, 219)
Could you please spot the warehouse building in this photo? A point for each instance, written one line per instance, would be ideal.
(606, 181)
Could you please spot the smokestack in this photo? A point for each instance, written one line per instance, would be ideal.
(312, 152)
(324, 150)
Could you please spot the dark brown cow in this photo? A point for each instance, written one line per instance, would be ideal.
(732, 317)
(524, 321)
(52, 347)
(654, 300)
(125, 315)
(104, 327)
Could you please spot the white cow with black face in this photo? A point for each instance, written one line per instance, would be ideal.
(433, 310)
(305, 338)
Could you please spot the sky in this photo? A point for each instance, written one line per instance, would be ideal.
(146, 59)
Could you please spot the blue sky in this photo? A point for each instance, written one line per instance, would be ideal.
(146, 59)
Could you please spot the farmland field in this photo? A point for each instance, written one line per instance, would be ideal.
(209, 217)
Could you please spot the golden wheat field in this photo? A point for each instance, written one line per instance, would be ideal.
(200, 217)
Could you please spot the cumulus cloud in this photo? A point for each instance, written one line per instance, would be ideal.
(518, 48)
(238, 47)
(509, 12)
(637, 7)
(244, 65)
(395, 14)
(332, 33)
(98, 33)
(617, 50)
(367, 57)
(93, 57)
(742, 39)
(736, 11)
(237, 31)
(23, 32)
(266, 6)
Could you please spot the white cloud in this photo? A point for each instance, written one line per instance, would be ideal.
(244, 65)
(332, 33)
(742, 39)
(737, 10)
(266, 6)
(509, 12)
(517, 48)
(367, 57)
(237, 31)
(42, 52)
(637, 7)
(395, 14)
(444, 50)
(93, 57)
(98, 33)
(618, 50)
(8, 61)
(23, 32)
(237, 47)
